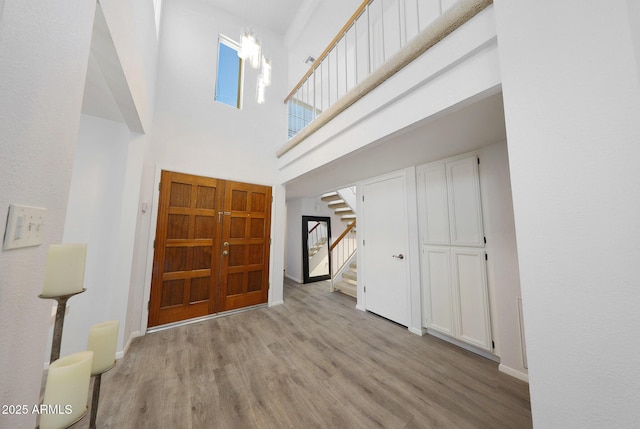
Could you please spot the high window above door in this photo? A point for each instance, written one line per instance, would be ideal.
(229, 79)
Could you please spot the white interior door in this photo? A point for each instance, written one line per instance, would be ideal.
(385, 250)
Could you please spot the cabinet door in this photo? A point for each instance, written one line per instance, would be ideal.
(437, 294)
(434, 208)
(465, 207)
(471, 297)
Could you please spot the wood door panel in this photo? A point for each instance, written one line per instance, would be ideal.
(246, 229)
(178, 313)
(172, 293)
(200, 289)
(191, 275)
(185, 260)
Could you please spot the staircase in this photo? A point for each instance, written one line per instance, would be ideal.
(349, 282)
(344, 276)
(339, 206)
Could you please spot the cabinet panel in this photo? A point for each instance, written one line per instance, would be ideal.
(465, 208)
(436, 274)
(470, 285)
(434, 205)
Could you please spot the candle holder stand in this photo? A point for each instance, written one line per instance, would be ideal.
(57, 327)
(95, 398)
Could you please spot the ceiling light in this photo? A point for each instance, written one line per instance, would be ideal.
(266, 71)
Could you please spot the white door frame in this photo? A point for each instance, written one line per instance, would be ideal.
(414, 291)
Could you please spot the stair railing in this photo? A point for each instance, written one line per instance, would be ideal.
(352, 64)
(342, 251)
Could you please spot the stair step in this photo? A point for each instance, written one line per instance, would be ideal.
(346, 288)
(330, 196)
(350, 274)
(354, 265)
(343, 210)
(337, 204)
(348, 218)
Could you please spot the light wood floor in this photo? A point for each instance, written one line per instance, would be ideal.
(314, 362)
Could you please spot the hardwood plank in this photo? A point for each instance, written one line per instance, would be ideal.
(313, 362)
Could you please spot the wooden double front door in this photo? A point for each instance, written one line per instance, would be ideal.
(211, 247)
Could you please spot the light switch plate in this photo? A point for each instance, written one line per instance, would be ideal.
(25, 227)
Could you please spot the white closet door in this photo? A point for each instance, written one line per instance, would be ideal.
(465, 208)
(386, 278)
(436, 280)
(432, 188)
(470, 285)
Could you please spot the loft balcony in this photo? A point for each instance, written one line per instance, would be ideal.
(393, 66)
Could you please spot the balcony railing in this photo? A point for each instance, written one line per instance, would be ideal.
(389, 33)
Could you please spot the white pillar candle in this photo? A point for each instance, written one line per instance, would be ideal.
(64, 272)
(67, 389)
(103, 338)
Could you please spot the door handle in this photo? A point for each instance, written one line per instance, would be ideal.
(225, 253)
(400, 256)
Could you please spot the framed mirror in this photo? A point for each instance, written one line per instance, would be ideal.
(316, 257)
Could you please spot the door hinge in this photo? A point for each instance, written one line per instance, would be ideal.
(478, 161)
(363, 198)
(485, 240)
(363, 242)
(148, 305)
(159, 186)
(486, 257)
(365, 289)
(154, 243)
(493, 344)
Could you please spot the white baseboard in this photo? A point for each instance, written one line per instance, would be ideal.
(274, 303)
(360, 307)
(513, 373)
(297, 280)
(464, 345)
(418, 331)
(135, 334)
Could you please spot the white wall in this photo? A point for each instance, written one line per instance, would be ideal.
(93, 217)
(104, 196)
(572, 103)
(102, 212)
(502, 265)
(194, 132)
(45, 47)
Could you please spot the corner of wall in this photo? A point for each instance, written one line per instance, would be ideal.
(514, 373)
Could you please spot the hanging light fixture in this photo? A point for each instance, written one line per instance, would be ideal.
(251, 52)
(260, 90)
(247, 40)
(256, 53)
(266, 71)
(250, 49)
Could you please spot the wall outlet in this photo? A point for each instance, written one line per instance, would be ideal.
(25, 227)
